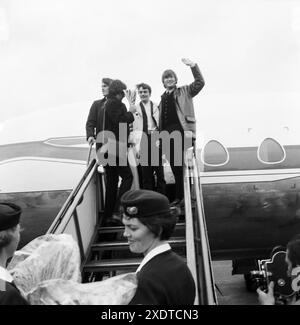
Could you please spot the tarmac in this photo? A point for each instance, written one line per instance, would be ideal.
(231, 289)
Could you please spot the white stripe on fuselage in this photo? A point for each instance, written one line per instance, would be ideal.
(63, 161)
(70, 142)
(246, 176)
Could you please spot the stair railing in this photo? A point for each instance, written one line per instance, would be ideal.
(79, 214)
(197, 243)
(89, 154)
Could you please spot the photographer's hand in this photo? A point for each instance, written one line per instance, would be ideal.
(266, 298)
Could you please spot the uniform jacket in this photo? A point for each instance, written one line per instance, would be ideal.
(184, 102)
(10, 295)
(165, 280)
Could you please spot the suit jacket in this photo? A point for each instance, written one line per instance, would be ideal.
(94, 123)
(184, 102)
(165, 280)
(116, 113)
(10, 295)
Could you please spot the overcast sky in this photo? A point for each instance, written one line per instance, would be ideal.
(55, 52)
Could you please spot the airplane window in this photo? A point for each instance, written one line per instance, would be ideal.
(271, 152)
(214, 154)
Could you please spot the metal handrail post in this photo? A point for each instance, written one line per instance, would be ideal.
(89, 154)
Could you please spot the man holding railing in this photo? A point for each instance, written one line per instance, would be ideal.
(94, 123)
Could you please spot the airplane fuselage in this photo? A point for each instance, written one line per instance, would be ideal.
(250, 206)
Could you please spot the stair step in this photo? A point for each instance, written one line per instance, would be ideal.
(112, 265)
(114, 245)
(130, 264)
(108, 230)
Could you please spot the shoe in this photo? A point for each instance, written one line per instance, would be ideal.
(182, 204)
(117, 217)
(175, 202)
(179, 203)
(114, 221)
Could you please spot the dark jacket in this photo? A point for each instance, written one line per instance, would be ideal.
(116, 113)
(94, 123)
(165, 280)
(11, 295)
(184, 102)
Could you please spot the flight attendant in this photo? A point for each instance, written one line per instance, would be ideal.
(9, 240)
(163, 276)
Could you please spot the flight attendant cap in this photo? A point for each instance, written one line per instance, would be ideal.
(144, 203)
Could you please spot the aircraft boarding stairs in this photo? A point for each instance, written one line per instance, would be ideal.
(104, 250)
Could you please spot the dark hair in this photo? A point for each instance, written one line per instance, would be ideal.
(6, 236)
(145, 86)
(293, 248)
(107, 81)
(116, 88)
(161, 225)
(168, 73)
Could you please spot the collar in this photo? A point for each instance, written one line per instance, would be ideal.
(5, 275)
(148, 103)
(168, 92)
(155, 251)
(146, 106)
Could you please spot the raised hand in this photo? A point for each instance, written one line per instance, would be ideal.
(130, 96)
(188, 62)
(133, 96)
(132, 109)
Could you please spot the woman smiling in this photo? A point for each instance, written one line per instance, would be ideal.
(163, 276)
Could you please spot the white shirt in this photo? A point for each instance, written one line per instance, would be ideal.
(151, 125)
(155, 251)
(170, 91)
(136, 135)
(5, 275)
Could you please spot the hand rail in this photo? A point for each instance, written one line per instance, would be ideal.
(89, 154)
(198, 251)
(211, 297)
(189, 233)
(70, 200)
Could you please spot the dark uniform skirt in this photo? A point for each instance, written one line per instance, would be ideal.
(10, 295)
